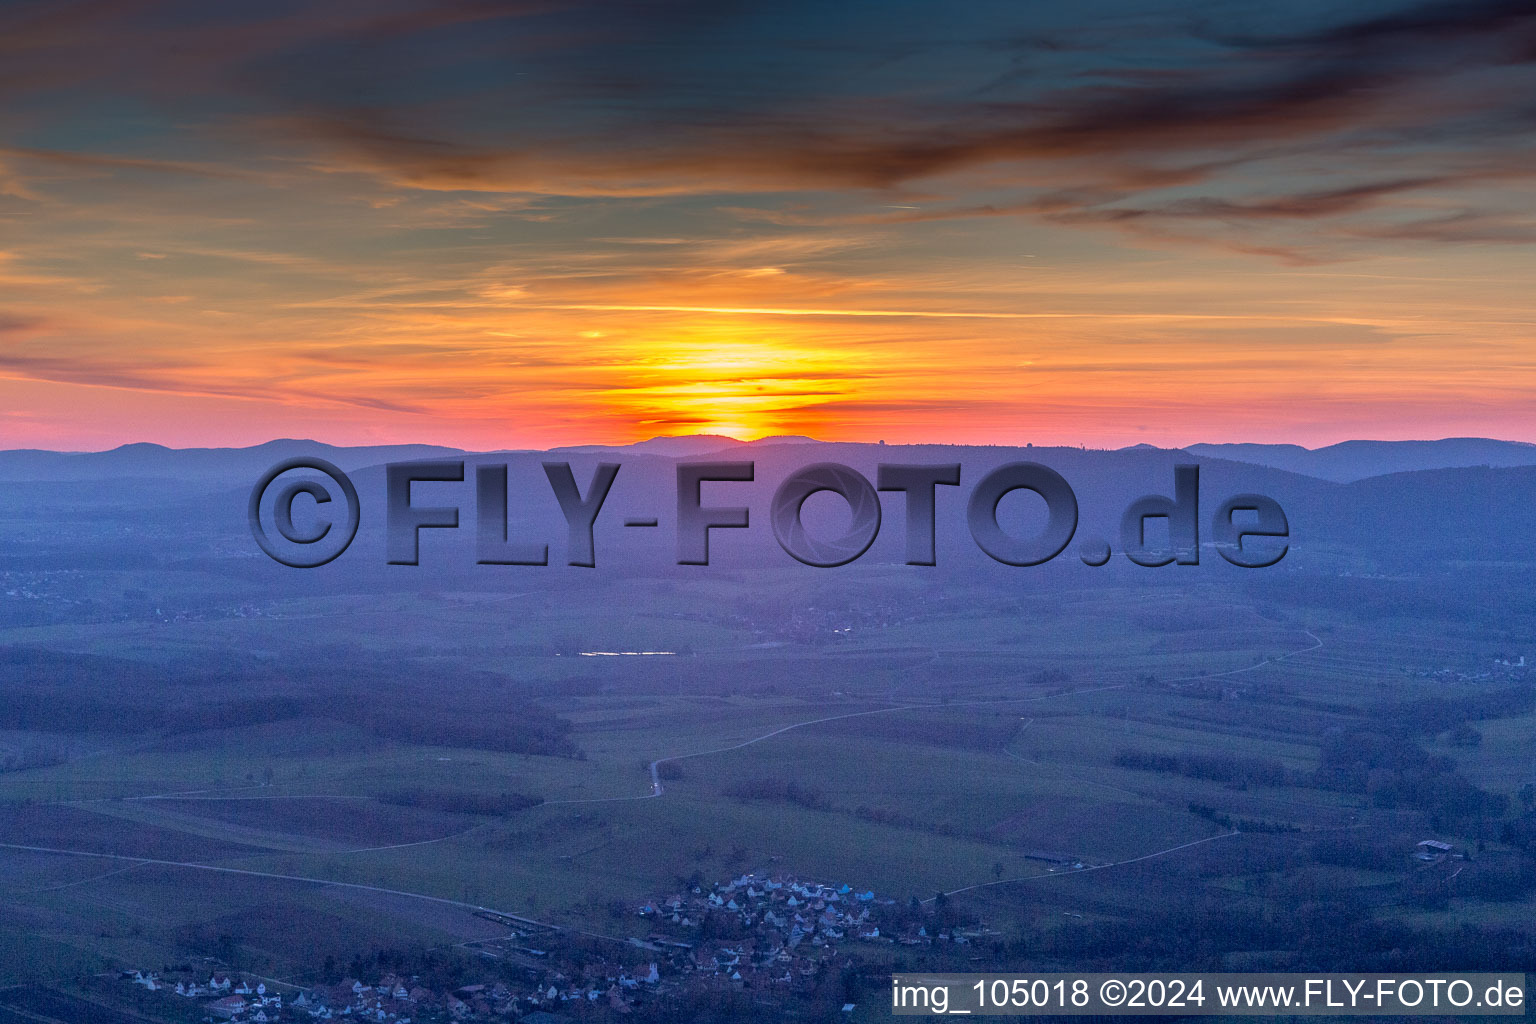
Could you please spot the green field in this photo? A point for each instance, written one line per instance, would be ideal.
(988, 745)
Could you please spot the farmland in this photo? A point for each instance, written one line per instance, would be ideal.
(942, 754)
(215, 765)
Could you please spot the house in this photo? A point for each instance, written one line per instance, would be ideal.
(227, 1007)
(1433, 850)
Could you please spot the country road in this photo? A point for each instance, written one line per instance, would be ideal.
(657, 790)
(1084, 871)
(327, 882)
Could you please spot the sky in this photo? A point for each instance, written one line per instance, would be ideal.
(531, 223)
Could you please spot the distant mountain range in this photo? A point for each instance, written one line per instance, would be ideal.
(152, 461)
(1400, 506)
(1357, 460)
(1345, 462)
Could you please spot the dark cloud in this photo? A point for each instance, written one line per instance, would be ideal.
(1468, 227)
(1429, 24)
(1324, 203)
(614, 99)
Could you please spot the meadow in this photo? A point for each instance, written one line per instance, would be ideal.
(1049, 763)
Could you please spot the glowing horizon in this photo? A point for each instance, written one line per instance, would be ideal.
(510, 227)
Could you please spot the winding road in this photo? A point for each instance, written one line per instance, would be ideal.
(657, 790)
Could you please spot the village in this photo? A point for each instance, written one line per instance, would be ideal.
(774, 937)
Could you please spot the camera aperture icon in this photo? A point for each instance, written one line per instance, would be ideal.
(863, 506)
